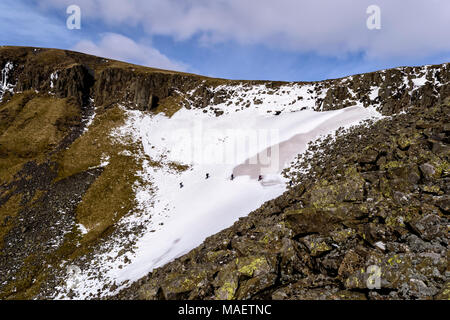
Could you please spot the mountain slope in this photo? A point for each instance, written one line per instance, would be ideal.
(92, 152)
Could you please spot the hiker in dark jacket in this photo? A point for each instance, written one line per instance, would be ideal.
(181, 185)
(207, 175)
(260, 178)
(232, 177)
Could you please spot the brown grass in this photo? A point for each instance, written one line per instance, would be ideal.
(111, 196)
(30, 127)
(38, 127)
(9, 209)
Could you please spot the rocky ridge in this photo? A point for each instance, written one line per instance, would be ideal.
(108, 82)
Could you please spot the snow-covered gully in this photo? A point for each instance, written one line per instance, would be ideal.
(205, 206)
(246, 143)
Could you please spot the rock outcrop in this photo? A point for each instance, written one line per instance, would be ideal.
(140, 91)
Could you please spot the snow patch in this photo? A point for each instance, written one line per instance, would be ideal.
(82, 229)
(4, 85)
(53, 77)
(380, 244)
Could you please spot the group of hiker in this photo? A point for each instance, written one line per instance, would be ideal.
(260, 177)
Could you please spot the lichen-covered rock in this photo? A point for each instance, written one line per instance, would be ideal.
(429, 227)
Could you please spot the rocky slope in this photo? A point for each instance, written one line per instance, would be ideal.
(377, 196)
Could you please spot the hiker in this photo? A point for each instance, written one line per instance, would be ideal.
(181, 185)
(260, 178)
(290, 183)
(207, 175)
(232, 177)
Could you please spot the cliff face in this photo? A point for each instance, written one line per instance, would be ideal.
(141, 91)
(68, 74)
(62, 168)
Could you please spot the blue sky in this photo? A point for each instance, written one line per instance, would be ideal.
(290, 40)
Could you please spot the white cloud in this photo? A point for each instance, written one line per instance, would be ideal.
(409, 28)
(119, 47)
(20, 25)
